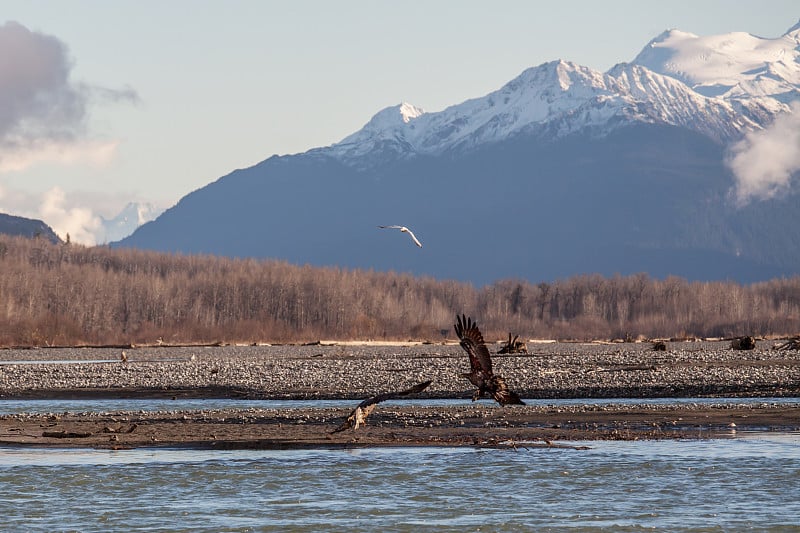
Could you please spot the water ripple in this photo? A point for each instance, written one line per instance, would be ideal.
(13, 406)
(729, 484)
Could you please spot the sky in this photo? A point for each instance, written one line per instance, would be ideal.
(103, 103)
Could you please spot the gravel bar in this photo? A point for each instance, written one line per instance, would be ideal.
(345, 371)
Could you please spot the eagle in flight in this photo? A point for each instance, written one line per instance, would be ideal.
(359, 415)
(480, 362)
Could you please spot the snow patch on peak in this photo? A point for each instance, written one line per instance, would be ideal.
(661, 52)
(387, 130)
(721, 86)
(537, 95)
(394, 116)
(564, 73)
(672, 35)
(126, 221)
(731, 65)
(409, 112)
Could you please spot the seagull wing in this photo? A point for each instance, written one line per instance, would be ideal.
(414, 238)
(404, 230)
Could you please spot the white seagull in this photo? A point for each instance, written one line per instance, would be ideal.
(405, 230)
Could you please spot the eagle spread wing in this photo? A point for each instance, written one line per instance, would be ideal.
(481, 365)
(362, 411)
(502, 394)
(472, 341)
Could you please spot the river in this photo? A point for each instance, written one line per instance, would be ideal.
(731, 484)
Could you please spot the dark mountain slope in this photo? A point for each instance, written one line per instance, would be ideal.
(26, 227)
(645, 198)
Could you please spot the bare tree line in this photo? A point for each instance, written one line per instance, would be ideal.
(67, 294)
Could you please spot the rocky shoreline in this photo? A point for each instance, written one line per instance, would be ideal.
(554, 370)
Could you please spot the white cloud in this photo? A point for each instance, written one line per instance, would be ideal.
(44, 114)
(96, 153)
(79, 214)
(765, 161)
(80, 223)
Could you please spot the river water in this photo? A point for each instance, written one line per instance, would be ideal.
(749, 481)
(14, 406)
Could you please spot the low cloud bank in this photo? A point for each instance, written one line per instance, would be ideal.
(766, 162)
(86, 222)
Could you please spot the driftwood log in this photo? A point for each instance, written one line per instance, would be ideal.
(66, 434)
(791, 344)
(514, 345)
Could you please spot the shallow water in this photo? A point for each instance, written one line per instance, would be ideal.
(714, 485)
(14, 406)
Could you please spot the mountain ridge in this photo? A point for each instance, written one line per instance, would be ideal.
(756, 94)
(27, 227)
(733, 66)
(560, 171)
(124, 223)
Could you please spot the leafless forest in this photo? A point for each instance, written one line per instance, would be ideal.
(66, 294)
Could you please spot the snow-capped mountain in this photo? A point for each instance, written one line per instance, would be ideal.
(721, 86)
(126, 221)
(731, 66)
(563, 170)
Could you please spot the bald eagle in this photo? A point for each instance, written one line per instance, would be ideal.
(362, 411)
(480, 362)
